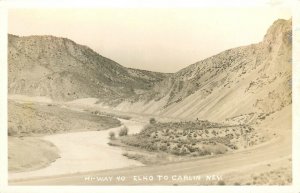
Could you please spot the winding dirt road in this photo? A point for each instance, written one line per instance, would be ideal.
(277, 149)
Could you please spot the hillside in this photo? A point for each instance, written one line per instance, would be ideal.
(235, 83)
(29, 119)
(239, 84)
(60, 69)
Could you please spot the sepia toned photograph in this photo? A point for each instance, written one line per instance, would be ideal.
(150, 96)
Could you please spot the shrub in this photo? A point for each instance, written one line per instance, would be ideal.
(132, 156)
(123, 131)
(12, 131)
(221, 182)
(112, 135)
(184, 151)
(175, 150)
(125, 154)
(203, 152)
(192, 149)
(152, 121)
(194, 154)
(163, 147)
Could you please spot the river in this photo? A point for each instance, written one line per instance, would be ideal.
(83, 152)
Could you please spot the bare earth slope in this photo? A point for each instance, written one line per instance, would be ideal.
(239, 81)
(63, 70)
(257, 77)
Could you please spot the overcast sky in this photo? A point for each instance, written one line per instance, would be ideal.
(157, 39)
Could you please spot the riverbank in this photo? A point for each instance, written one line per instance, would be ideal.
(83, 152)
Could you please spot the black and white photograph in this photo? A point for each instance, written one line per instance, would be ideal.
(150, 96)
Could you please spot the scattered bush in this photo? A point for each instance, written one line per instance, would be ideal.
(184, 138)
(112, 135)
(133, 156)
(123, 131)
(163, 147)
(12, 131)
(221, 182)
(152, 121)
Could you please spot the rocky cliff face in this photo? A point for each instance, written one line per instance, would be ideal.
(63, 70)
(254, 78)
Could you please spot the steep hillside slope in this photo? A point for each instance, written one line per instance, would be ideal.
(236, 82)
(63, 70)
(243, 83)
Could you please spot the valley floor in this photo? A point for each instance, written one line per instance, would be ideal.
(85, 154)
(241, 167)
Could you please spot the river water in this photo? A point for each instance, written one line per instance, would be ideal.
(84, 151)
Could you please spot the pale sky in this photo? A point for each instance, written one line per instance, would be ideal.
(156, 39)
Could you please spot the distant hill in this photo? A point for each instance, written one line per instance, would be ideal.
(254, 78)
(233, 84)
(63, 70)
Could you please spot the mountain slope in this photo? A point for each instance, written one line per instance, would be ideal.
(236, 82)
(63, 70)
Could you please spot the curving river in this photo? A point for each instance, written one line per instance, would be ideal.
(84, 151)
